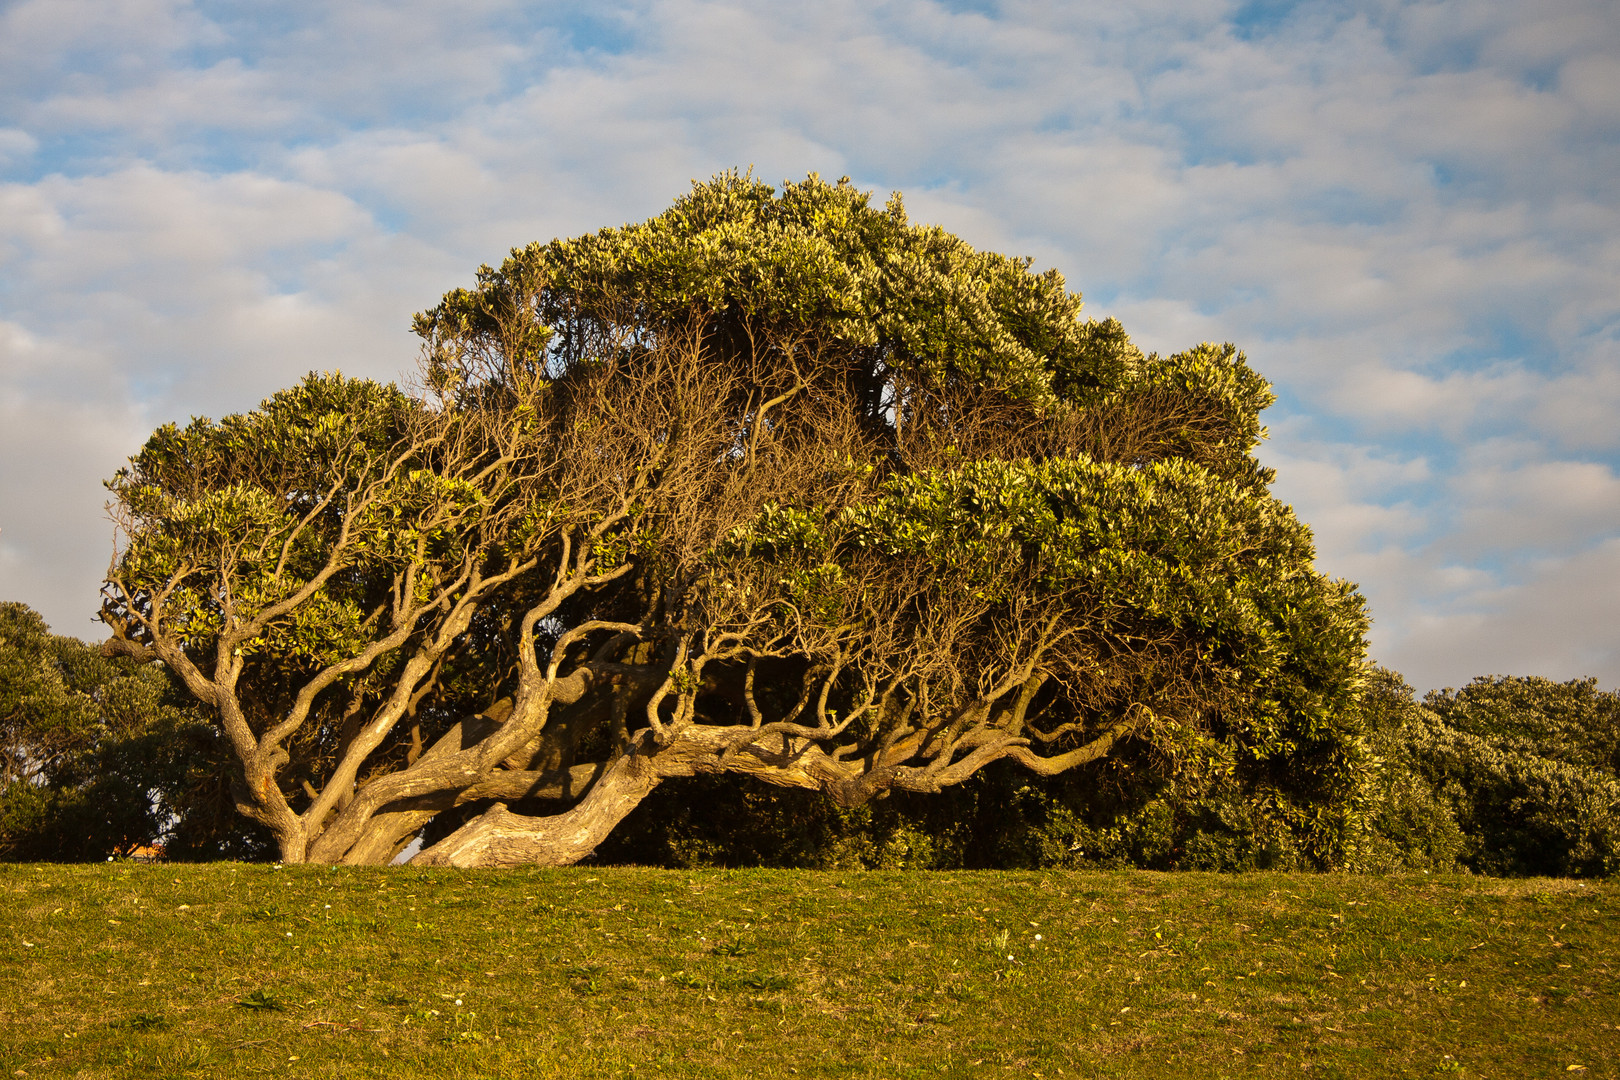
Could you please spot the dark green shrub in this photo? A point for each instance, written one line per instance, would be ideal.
(100, 757)
(1115, 815)
(1507, 776)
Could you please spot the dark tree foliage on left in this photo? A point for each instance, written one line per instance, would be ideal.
(103, 756)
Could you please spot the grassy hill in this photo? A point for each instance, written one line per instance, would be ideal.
(229, 970)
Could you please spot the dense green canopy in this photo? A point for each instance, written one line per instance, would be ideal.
(1505, 776)
(775, 483)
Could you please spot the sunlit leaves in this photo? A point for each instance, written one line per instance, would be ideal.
(770, 432)
(239, 515)
(812, 257)
(1503, 776)
(1124, 556)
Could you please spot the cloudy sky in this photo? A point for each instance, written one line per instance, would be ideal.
(1408, 214)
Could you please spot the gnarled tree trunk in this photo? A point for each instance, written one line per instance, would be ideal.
(501, 837)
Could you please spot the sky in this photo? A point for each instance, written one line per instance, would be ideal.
(1406, 214)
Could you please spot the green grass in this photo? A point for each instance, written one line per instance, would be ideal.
(155, 971)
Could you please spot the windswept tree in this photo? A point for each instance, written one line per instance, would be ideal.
(775, 483)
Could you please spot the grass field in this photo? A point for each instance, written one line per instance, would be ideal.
(157, 971)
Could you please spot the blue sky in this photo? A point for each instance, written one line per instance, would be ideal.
(1406, 213)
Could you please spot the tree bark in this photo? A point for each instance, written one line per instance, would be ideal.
(390, 830)
(499, 837)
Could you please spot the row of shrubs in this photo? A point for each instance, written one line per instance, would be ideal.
(1506, 776)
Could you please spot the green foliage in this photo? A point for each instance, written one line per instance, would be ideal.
(1507, 776)
(1117, 814)
(1163, 543)
(1163, 552)
(314, 518)
(1573, 722)
(815, 255)
(103, 756)
(228, 496)
(816, 266)
(788, 447)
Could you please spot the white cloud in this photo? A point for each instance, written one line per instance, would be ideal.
(1559, 623)
(1405, 212)
(219, 287)
(1534, 506)
(143, 296)
(62, 431)
(16, 145)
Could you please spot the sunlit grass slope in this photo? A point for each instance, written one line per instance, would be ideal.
(229, 971)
